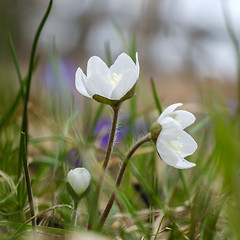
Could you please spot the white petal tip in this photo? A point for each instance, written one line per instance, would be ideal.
(80, 79)
(184, 164)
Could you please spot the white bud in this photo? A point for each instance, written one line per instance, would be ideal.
(79, 179)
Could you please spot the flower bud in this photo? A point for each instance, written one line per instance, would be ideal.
(78, 180)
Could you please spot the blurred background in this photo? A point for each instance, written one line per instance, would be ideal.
(182, 44)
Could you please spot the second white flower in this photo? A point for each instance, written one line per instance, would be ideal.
(173, 143)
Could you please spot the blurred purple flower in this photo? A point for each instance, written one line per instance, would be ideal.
(59, 74)
(232, 105)
(102, 129)
(74, 158)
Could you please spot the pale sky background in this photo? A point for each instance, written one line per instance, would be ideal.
(183, 30)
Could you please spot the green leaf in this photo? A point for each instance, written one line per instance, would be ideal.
(156, 99)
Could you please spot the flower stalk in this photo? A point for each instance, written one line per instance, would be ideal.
(112, 135)
(108, 207)
(75, 213)
(105, 163)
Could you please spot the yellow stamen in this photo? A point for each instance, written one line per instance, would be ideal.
(175, 147)
(114, 79)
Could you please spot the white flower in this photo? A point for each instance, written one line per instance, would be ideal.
(173, 143)
(79, 179)
(111, 83)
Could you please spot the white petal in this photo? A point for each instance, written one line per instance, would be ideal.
(168, 111)
(173, 144)
(97, 84)
(169, 131)
(187, 145)
(123, 63)
(170, 128)
(173, 133)
(170, 157)
(185, 118)
(79, 179)
(124, 85)
(137, 65)
(80, 82)
(97, 66)
(184, 164)
(167, 154)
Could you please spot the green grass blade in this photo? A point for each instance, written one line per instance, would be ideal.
(11, 110)
(160, 224)
(132, 46)
(95, 120)
(235, 42)
(21, 82)
(156, 99)
(185, 187)
(24, 129)
(108, 53)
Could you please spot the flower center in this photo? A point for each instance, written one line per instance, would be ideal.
(114, 78)
(176, 147)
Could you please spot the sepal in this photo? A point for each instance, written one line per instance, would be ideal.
(113, 103)
(74, 195)
(155, 131)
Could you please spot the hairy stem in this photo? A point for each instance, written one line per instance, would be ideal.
(105, 163)
(108, 207)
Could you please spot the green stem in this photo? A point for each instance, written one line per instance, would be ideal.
(27, 177)
(182, 177)
(108, 207)
(105, 163)
(75, 213)
(112, 136)
(24, 131)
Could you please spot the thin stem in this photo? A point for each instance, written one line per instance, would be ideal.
(27, 177)
(108, 207)
(112, 136)
(24, 130)
(105, 164)
(75, 213)
(182, 177)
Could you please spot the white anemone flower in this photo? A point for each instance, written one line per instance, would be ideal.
(79, 179)
(111, 83)
(173, 143)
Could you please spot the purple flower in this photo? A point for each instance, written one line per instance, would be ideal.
(59, 74)
(74, 158)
